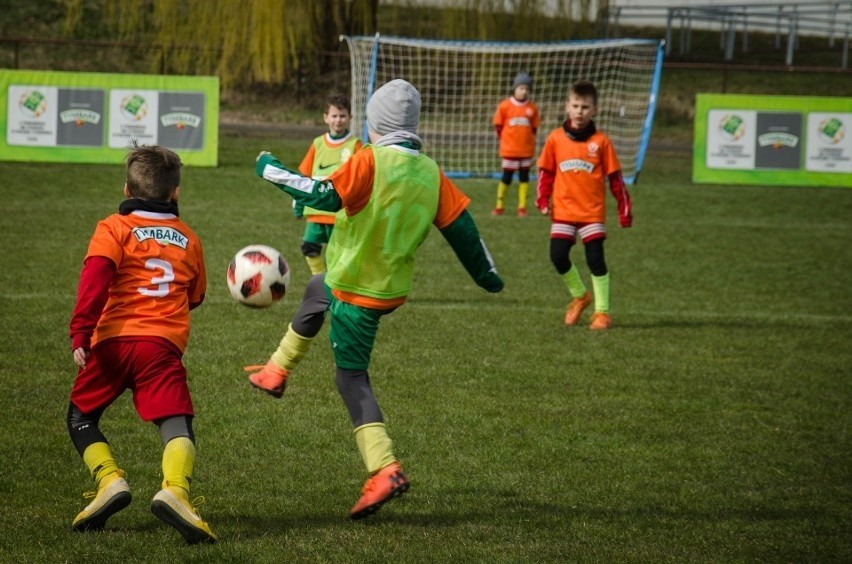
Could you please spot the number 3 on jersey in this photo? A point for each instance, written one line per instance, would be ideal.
(161, 282)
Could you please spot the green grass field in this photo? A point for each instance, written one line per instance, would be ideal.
(711, 424)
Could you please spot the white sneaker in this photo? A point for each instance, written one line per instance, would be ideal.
(108, 500)
(174, 509)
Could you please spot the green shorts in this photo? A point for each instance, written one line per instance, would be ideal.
(317, 233)
(353, 333)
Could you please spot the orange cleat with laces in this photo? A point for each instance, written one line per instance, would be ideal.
(576, 308)
(270, 378)
(381, 487)
(600, 322)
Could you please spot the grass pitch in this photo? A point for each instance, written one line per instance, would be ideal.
(710, 424)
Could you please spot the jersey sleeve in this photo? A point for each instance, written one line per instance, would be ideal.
(306, 167)
(451, 203)
(498, 116)
(547, 160)
(353, 181)
(198, 286)
(536, 119)
(105, 243)
(610, 163)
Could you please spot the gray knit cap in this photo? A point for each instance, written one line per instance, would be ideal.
(522, 78)
(394, 107)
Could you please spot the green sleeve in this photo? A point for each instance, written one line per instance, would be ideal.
(305, 190)
(463, 237)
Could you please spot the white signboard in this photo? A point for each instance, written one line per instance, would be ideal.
(829, 143)
(731, 139)
(31, 115)
(132, 117)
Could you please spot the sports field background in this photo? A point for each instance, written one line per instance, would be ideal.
(710, 424)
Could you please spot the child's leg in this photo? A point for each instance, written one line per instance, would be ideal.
(113, 493)
(306, 323)
(523, 189)
(172, 504)
(600, 275)
(313, 240)
(560, 249)
(502, 189)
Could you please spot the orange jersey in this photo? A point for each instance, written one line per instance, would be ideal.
(159, 271)
(518, 122)
(580, 169)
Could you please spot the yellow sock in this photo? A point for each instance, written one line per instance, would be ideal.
(600, 285)
(291, 349)
(316, 264)
(502, 188)
(178, 463)
(375, 446)
(523, 190)
(575, 284)
(98, 459)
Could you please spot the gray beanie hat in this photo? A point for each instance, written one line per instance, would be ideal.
(522, 78)
(394, 107)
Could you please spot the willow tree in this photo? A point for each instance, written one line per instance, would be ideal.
(242, 41)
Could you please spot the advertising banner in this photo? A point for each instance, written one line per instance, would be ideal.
(93, 118)
(783, 140)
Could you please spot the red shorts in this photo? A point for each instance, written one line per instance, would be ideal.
(150, 367)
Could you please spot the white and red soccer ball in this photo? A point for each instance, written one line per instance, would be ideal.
(258, 276)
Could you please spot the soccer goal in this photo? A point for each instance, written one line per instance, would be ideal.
(462, 82)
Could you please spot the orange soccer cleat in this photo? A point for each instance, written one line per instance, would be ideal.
(271, 378)
(381, 487)
(498, 211)
(600, 322)
(522, 212)
(576, 308)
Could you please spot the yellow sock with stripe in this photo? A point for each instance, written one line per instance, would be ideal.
(574, 283)
(523, 190)
(98, 459)
(600, 285)
(178, 463)
(291, 349)
(316, 264)
(502, 188)
(375, 446)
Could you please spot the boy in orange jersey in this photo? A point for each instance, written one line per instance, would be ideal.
(325, 155)
(516, 121)
(143, 272)
(390, 194)
(575, 163)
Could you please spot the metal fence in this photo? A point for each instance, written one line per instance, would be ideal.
(831, 20)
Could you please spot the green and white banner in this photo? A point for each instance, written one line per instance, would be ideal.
(94, 118)
(783, 140)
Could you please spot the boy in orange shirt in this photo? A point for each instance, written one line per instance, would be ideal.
(516, 122)
(143, 272)
(575, 163)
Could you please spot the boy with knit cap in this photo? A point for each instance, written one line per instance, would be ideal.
(386, 196)
(516, 122)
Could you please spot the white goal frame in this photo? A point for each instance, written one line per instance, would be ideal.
(462, 82)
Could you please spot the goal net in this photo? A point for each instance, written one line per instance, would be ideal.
(462, 82)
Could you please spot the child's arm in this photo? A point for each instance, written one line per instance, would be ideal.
(622, 196)
(317, 194)
(463, 237)
(544, 190)
(92, 296)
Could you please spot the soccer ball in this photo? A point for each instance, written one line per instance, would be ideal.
(258, 276)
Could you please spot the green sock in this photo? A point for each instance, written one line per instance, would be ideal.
(574, 282)
(600, 284)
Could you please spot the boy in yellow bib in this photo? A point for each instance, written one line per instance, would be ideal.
(389, 193)
(325, 155)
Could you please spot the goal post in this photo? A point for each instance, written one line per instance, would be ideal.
(462, 82)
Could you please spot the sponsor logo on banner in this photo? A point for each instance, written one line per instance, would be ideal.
(134, 107)
(732, 127)
(33, 103)
(80, 116)
(832, 130)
